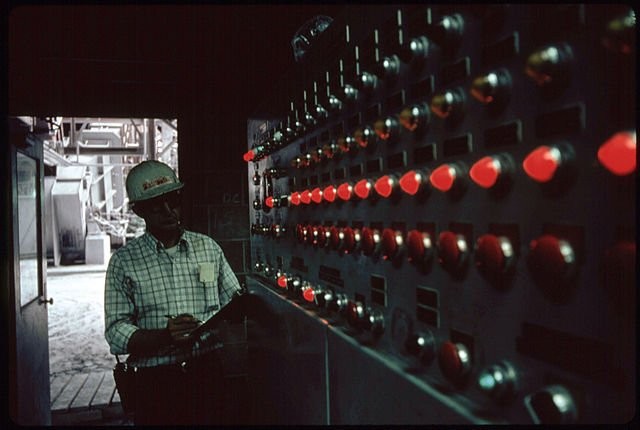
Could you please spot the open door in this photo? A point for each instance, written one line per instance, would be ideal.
(25, 272)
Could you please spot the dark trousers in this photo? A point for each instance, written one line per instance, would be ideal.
(195, 394)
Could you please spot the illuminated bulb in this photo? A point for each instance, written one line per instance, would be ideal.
(345, 191)
(386, 185)
(329, 193)
(269, 201)
(249, 156)
(618, 153)
(305, 197)
(316, 195)
(486, 172)
(295, 198)
(542, 163)
(363, 188)
(444, 177)
(412, 181)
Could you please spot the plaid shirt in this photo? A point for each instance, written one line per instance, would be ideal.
(144, 284)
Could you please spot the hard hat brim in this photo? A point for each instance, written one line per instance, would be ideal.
(160, 190)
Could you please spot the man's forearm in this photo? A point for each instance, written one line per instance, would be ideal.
(145, 341)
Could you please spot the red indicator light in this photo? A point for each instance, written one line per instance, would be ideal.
(443, 177)
(329, 193)
(385, 185)
(618, 154)
(349, 239)
(542, 163)
(344, 191)
(269, 201)
(309, 294)
(419, 245)
(316, 195)
(295, 198)
(411, 181)
(305, 197)
(282, 281)
(363, 188)
(485, 172)
(249, 156)
(335, 237)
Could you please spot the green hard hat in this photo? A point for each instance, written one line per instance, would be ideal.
(151, 179)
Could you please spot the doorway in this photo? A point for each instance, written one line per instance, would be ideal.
(87, 217)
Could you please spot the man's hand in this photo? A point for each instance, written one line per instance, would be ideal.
(179, 327)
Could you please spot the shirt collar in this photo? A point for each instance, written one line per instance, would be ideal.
(184, 242)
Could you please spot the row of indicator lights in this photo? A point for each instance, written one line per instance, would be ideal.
(498, 381)
(546, 66)
(494, 254)
(617, 154)
(358, 315)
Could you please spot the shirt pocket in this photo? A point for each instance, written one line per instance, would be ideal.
(208, 280)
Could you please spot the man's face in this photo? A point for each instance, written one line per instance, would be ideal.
(161, 213)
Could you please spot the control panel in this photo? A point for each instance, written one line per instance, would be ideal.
(453, 188)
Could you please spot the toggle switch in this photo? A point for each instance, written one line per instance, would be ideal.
(422, 345)
(618, 153)
(387, 185)
(322, 297)
(370, 241)
(548, 162)
(454, 361)
(498, 381)
(364, 136)
(554, 404)
(415, 117)
(415, 52)
(390, 67)
(420, 246)
(494, 255)
(368, 82)
(335, 104)
(387, 129)
(453, 251)
(373, 321)
(448, 31)
(338, 303)
(448, 104)
(350, 93)
(256, 179)
(549, 65)
(355, 314)
(492, 88)
(393, 244)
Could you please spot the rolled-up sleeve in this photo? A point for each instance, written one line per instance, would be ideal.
(119, 309)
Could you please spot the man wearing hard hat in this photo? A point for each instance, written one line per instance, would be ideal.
(159, 287)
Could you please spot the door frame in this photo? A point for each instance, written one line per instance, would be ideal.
(28, 384)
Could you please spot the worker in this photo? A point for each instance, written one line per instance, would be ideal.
(159, 287)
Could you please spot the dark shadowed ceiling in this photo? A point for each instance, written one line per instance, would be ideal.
(157, 60)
